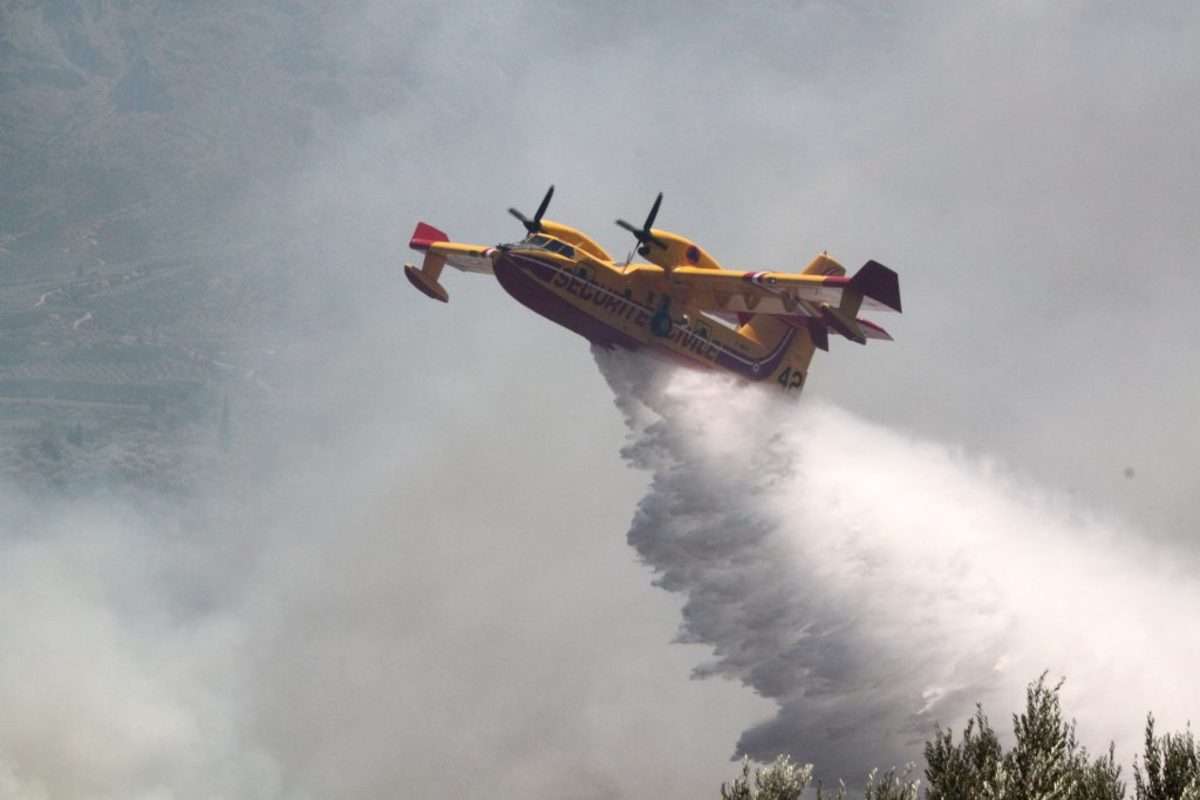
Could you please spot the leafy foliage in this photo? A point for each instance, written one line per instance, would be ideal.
(784, 780)
(892, 785)
(1172, 767)
(974, 768)
(1045, 763)
(781, 780)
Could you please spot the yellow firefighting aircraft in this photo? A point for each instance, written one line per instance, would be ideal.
(758, 325)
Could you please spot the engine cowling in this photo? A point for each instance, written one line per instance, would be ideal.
(669, 250)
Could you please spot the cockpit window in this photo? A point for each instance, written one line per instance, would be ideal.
(539, 242)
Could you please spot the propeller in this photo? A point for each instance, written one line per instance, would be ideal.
(534, 225)
(643, 235)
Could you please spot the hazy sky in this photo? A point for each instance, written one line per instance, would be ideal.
(425, 586)
(1015, 164)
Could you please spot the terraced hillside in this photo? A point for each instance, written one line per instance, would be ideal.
(148, 359)
(132, 314)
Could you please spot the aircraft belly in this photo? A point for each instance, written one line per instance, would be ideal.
(608, 316)
(554, 293)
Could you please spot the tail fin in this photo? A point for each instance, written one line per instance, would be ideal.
(873, 281)
(878, 283)
(841, 318)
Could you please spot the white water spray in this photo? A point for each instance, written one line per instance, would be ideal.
(873, 584)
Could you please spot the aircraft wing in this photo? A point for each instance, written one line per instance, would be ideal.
(785, 292)
(440, 251)
(466, 257)
(818, 302)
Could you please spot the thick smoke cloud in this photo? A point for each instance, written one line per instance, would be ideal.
(873, 584)
(323, 624)
(122, 671)
(413, 582)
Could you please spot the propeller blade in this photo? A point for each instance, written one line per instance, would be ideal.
(534, 225)
(653, 213)
(643, 234)
(545, 202)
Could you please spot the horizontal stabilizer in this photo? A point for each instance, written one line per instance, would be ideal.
(818, 328)
(879, 283)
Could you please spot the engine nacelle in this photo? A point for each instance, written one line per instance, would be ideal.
(676, 252)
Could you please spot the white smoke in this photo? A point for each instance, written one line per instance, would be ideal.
(120, 674)
(872, 584)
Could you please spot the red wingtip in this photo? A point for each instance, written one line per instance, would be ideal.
(425, 235)
(873, 331)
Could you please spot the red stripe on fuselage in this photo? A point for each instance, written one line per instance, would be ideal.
(532, 291)
(530, 279)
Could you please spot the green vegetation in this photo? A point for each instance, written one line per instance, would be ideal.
(1172, 767)
(782, 780)
(1046, 762)
(785, 780)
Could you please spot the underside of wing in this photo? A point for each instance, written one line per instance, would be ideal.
(819, 302)
(466, 257)
(786, 293)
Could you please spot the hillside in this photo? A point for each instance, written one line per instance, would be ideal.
(132, 303)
